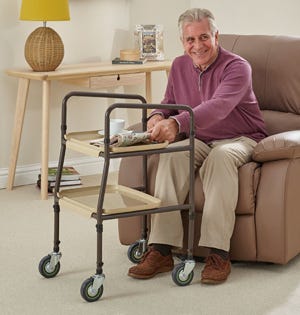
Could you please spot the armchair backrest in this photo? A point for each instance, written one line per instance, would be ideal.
(275, 62)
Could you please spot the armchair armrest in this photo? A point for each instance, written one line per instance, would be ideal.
(285, 145)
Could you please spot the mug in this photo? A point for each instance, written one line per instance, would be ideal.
(116, 125)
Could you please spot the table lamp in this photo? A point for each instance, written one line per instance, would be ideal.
(44, 49)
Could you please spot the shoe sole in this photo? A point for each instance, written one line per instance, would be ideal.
(161, 270)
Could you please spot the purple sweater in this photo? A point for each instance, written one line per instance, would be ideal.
(222, 98)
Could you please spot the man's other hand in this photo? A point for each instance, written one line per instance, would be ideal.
(164, 129)
(153, 120)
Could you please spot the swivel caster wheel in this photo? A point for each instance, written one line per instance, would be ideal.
(180, 276)
(91, 291)
(49, 265)
(135, 252)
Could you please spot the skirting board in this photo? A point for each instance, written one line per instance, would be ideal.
(28, 174)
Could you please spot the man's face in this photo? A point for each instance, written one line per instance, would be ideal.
(199, 43)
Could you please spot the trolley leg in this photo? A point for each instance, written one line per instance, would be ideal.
(49, 265)
(99, 225)
(56, 208)
(183, 273)
(143, 242)
(99, 229)
(137, 249)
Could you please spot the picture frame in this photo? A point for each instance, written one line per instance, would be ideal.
(149, 41)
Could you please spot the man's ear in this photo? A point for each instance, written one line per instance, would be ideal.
(217, 37)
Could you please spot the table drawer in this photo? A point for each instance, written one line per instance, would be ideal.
(109, 80)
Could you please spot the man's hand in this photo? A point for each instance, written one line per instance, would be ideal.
(154, 120)
(164, 129)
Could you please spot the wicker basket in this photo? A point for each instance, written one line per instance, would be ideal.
(44, 49)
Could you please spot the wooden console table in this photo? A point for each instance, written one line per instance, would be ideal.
(91, 75)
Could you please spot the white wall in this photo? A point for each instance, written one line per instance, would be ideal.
(271, 17)
(97, 31)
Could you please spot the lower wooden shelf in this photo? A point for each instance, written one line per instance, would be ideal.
(118, 199)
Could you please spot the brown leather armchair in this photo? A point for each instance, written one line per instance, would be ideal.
(267, 224)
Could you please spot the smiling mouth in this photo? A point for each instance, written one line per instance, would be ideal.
(200, 53)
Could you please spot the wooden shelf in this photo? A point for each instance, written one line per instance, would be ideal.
(80, 142)
(118, 199)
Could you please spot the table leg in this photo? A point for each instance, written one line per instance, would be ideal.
(148, 88)
(17, 131)
(45, 139)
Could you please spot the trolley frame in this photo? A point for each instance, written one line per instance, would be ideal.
(107, 155)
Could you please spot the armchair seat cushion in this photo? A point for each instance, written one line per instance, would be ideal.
(248, 182)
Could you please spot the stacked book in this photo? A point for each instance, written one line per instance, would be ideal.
(69, 177)
(118, 61)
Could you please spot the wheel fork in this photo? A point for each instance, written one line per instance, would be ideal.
(189, 265)
(97, 283)
(142, 246)
(55, 257)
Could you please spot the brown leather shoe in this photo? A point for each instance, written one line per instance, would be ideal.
(152, 263)
(216, 270)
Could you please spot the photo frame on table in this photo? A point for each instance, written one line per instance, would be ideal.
(149, 40)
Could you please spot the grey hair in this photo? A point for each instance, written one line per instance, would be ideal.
(197, 15)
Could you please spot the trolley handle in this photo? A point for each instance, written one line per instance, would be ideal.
(92, 94)
(147, 106)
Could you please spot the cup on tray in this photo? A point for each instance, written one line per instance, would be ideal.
(116, 125)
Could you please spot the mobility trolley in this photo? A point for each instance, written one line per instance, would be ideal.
(107, 202)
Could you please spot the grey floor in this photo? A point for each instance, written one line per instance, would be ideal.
(26, 228)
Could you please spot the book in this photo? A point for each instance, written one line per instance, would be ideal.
(68, 173)
(119, 61)
(63, 183)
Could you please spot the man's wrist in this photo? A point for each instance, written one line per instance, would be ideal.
(177, 122)
(156, 113)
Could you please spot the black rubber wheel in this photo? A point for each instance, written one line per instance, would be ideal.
(87, 293)
(133, 253)
(45, 270)
(178, 278)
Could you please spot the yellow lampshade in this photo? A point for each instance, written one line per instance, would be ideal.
(44, 49)
(45, 10)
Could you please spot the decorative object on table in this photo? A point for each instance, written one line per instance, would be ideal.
(129, 56)
(44, 49)
(149, 40)
(69, 177)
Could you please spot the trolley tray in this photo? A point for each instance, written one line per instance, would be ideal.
(117, 199)
(80, 142)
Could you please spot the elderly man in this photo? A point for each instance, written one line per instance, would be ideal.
(217, 84)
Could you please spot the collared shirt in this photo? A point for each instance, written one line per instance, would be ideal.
(221, 96)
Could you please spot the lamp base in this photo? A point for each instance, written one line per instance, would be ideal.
(44, 49)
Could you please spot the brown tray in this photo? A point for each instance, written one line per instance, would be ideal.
(80, 142)
(118, 199)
